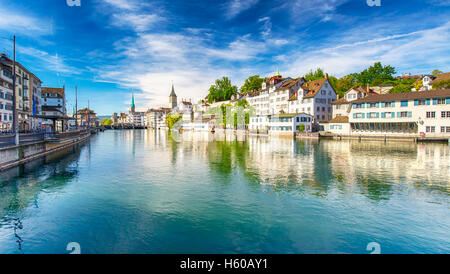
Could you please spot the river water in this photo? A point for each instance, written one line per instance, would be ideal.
(142, 192)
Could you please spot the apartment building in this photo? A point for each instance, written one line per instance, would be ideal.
(425, 113)
(341, 107)
(6, 98)
(53, 101)
(155, 118)
(28, 94)
(314, 98)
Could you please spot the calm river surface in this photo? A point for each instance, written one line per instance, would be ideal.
(142, 192)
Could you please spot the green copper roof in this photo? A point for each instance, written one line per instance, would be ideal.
(278, 71)
(132, 100)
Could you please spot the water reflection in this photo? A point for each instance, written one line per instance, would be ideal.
(375, 169)
(20, 187)
(140, 191)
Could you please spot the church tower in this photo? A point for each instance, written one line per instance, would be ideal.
(132, 106)
(173, 98)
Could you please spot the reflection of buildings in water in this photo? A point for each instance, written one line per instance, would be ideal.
(353, 162)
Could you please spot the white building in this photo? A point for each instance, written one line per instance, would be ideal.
(286, 124)
(156, 118)
(314, 98)
(290, 123)
(425, 113)
(270, 99)
(53, 101)
(341, 107)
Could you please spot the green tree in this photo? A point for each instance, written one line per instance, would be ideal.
(106, 122)
(401, 88)
(314, 75)
(345, 83)
(242, 103)
(172, 119)
(445, 84)
(222, 90)
(252, 83)
(377, 72)
(436, 72)
(301, 128)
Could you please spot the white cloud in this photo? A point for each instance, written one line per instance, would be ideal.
(407, 50)
(137, 22)
(47, 62)
(23, 24)
(235, 7)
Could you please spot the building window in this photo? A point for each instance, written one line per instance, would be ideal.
(430, 129)
(445, 114)
(403, 114)
(421, 102)
(431, 114)
(440, 101)
(404, 103)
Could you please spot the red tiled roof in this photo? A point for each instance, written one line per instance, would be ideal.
(313, 87)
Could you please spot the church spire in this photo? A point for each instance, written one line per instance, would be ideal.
(132, 106)
(173, 98)
(278, 71)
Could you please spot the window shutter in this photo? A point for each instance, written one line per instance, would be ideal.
(409, 114)
(393, 114)
(378, 104)
(363, 115)
(363, 105)
(383, 115)
(378, 115)
(383, 105)
(434, 101)
(416, 102)
(398, 114)
(428, 101)
(448, 101)
(393, 104)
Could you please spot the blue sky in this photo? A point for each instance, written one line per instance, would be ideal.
(110, 47)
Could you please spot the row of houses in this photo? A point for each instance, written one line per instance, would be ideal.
(423, 113)
(294, 105)
(38, 108)
(282, 103)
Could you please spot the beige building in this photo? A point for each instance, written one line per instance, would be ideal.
(28, 94)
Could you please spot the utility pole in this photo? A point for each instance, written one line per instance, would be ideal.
(76, 108)
(15, 128)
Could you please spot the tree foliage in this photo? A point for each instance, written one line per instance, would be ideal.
(375, 75)
(172, 119)
(106, 122)
(222, 90)
(314, 75)
(401, 88)
(442, 85)
(418, 85)
(252, 83)
(436, 72)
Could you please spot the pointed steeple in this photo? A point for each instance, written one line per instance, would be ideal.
(172, 94)
(132, 106)
(278, 71)
(173, 98)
